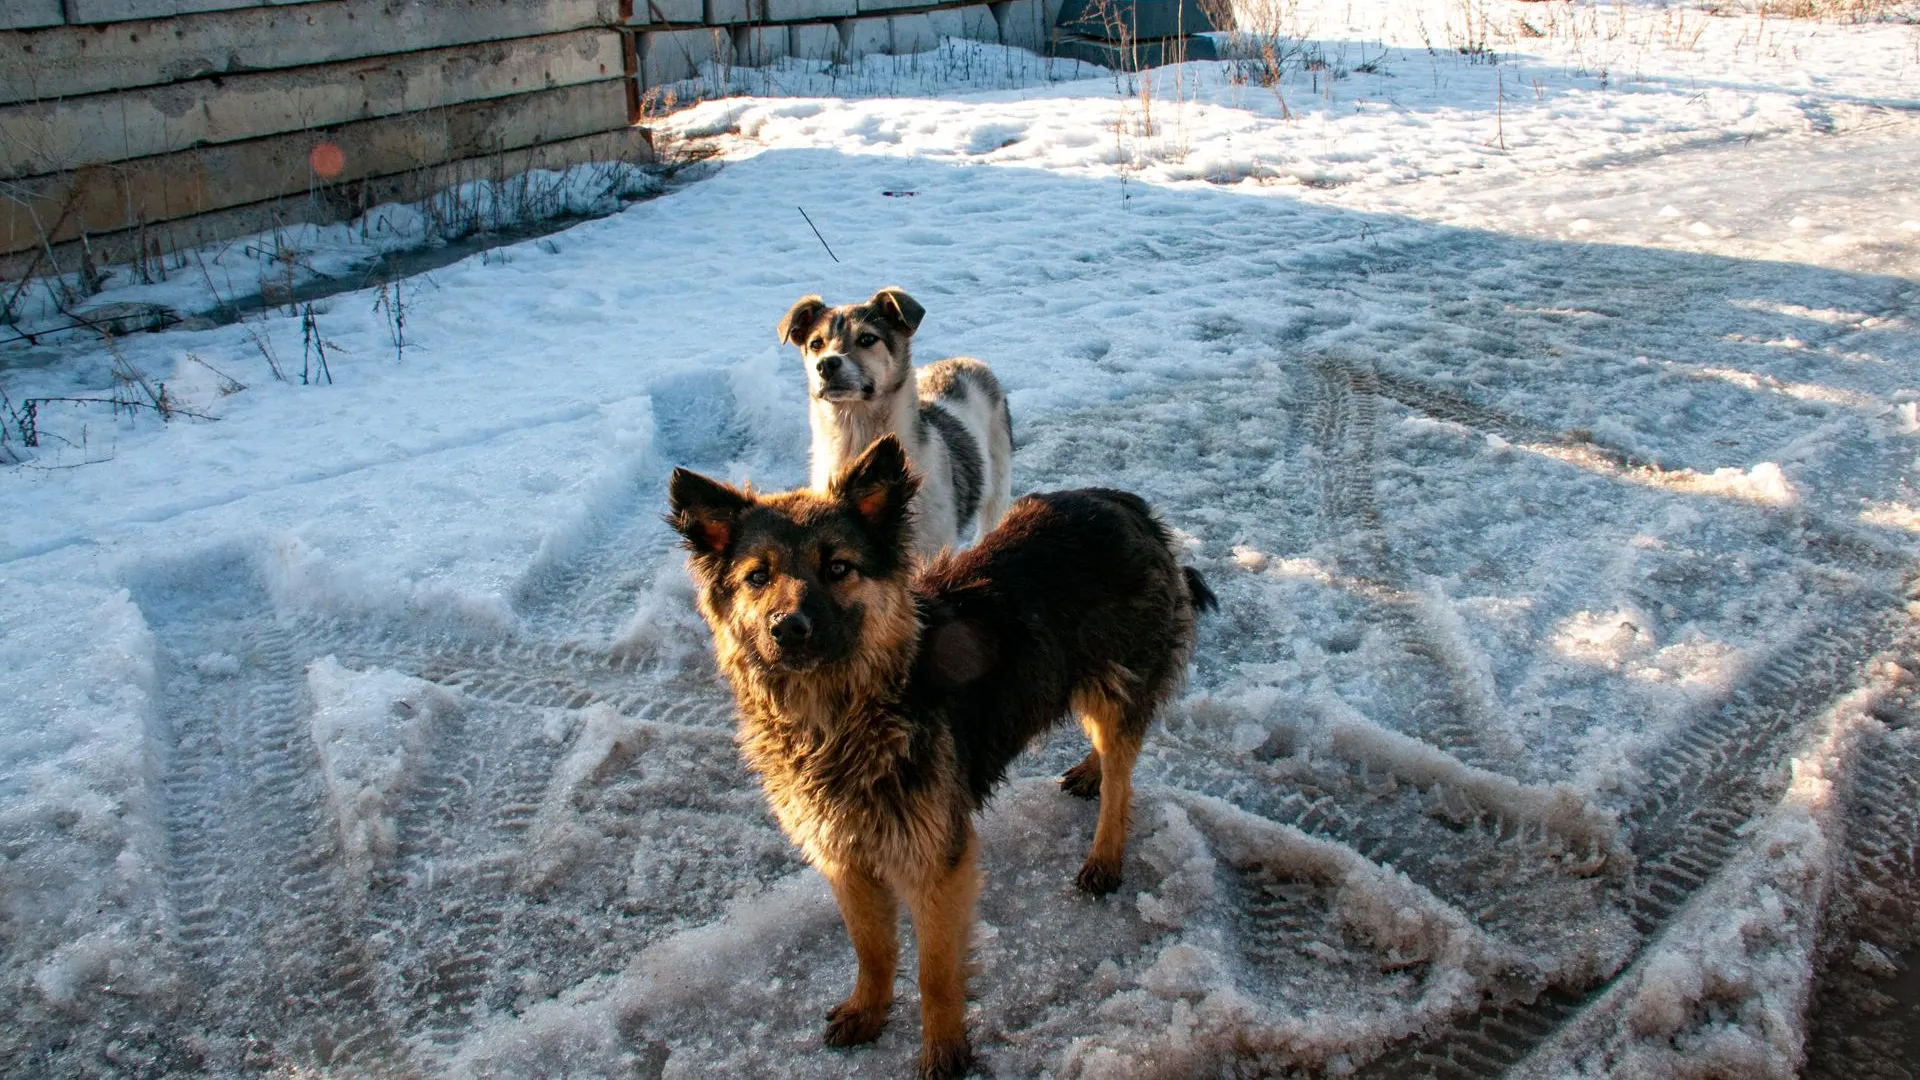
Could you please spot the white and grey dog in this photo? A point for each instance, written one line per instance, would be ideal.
(951, 416)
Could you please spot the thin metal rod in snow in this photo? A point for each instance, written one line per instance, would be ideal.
(816, 232)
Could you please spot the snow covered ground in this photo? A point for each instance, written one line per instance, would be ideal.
(1535, 383)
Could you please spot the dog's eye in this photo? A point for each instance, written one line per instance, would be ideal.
(867, 341)
(838, 569)
(817, 344)
(758, 577)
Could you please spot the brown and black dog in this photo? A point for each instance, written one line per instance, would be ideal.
(880, 708)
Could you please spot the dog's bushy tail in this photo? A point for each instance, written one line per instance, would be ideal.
(1203, 598)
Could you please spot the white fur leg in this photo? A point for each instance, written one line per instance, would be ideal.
(999, 479)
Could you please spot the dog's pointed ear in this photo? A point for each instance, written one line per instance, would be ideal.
(706, 513)
(895, 306)
(877, 487)
(800, 319)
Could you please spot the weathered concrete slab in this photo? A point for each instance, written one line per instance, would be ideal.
(732, 12)
(758, 46)
(799, 10)
(101, 200)
(54, 136)
(100, 11)
(669, 56)
(25, 14)
(75, 60)
(1024, 24)
(814, 41)
(1136, 55)
(865, 37)
(333, 203)
(888, 5)
(912, 34)
(668, 12)
(1134, 20)
(974, 23)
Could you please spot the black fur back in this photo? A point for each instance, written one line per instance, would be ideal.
(1073, 589)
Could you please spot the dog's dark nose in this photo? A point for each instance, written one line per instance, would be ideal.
(828, 366)
(791, 628)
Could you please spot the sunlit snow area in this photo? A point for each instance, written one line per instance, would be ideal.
(1538, 385)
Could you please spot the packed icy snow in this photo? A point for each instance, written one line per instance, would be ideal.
(1535, 383)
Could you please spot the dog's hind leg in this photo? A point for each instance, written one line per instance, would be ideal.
(872, 917)
(997, 489)
(942, 907)
(1116, 734)
(1083, 780)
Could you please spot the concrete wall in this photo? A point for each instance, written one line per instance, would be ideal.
(133, 124)
(834, 30)
(61, 63)
(138, 121)
(70, 132)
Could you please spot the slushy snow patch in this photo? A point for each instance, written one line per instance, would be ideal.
(371, 729)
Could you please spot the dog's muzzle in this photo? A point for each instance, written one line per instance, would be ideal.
(793, 641)
(841, 381)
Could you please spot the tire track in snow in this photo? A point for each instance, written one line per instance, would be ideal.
(1411, 955)
(463, 882)
(1714, 761)
(1707, 779)
(475, 862)
(284, 979)
(541, 674)
(1846, 544)
(589, 578)
(1476, 858)
(1344, 419)
(442, 928)
(1260, 491)
(449, 916)
(452, 889)
(461, 933)
(1706, 783)
(296, 971)
(1866, 1002)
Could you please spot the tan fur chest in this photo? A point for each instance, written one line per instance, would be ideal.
(840, 794)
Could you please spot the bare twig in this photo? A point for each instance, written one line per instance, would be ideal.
(27, 419)
(228, 384)
(8, 455)
(46, 245)
(394, 306)
(261, 342)
(1499, 111)
(816, 232)
(312, 347)
(126, 375)
(207, 276)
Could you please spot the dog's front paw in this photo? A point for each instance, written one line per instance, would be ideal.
(1083, 780)
(946, 1060)
(1098, 878)
(849, 1024)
